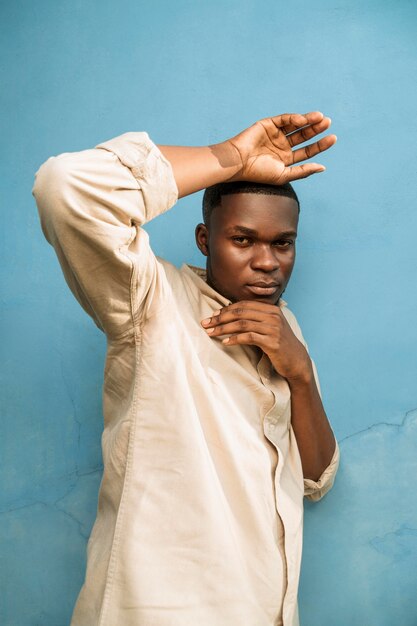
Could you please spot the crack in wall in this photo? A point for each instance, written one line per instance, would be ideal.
(387, 544)
(397, 544)
(32, 502)
(409, 417)
(67, 386)
(73, 518)
(82, 528)
(24, 506)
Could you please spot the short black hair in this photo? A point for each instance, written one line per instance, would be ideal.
(213, 195)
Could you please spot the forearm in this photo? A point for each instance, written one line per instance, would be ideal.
(315, 439)
(196, 168)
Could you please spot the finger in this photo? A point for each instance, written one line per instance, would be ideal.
(250, 311)
(291, 128)
(241, 326)
(297, 120)
(314, 148)
(297, 172)
(246, 305)
(306, 133)
(289, 119)
(249, 339)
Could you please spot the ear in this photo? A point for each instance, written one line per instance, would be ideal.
(201, 238)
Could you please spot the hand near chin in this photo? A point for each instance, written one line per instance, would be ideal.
(264, 325)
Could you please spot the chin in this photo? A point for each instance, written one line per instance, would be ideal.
(267, 300)
(253, 298)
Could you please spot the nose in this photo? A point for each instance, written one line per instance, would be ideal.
(264, 258)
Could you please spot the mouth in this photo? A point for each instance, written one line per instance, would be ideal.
(262, 288)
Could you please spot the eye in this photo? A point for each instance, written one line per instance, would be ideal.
(284, 243)
(241, 241)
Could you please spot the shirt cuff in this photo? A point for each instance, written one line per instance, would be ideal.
(150, 168)
(315, 490)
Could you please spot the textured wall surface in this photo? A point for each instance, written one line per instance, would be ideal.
(76, 73)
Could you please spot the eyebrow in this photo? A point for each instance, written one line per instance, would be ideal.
(254, 233)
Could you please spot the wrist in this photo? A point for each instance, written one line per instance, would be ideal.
(196, 168)
(303, 378)
(229, 158)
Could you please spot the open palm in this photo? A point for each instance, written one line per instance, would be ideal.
(268, 149)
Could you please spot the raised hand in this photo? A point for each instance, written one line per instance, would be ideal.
(266, 152)
(268, 149)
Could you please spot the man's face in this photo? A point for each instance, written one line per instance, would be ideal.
(250, 246)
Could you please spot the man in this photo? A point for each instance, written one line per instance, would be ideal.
(214, 427)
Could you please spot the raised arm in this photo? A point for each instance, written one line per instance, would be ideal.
(92, 204)
(268, 151)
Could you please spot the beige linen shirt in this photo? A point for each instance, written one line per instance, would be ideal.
(200, 509)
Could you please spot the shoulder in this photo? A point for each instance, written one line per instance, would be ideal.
(171, 271)
(173, 277)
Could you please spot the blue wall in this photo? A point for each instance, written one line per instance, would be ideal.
(75, 73)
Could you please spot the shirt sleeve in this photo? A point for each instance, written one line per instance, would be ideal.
(92, 205)
(315, 490)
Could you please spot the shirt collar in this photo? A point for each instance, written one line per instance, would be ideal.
(199, 277)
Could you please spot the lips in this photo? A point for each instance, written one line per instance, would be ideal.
(263, 288)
